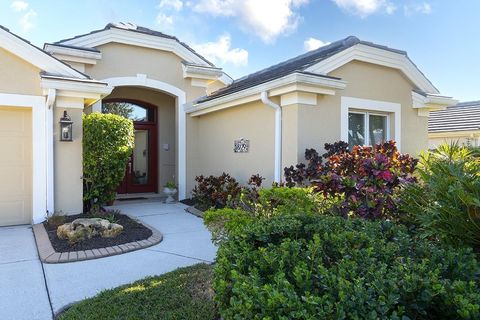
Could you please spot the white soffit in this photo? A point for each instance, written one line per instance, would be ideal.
(136, 39)
(36, 56)
(377, 56)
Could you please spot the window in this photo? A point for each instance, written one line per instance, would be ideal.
(365, 128)
(130, 110)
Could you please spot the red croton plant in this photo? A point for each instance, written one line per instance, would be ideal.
(364, 178)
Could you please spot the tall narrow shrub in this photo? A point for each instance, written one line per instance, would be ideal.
(108, 141)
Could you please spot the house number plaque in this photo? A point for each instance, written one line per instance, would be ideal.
(241, 145)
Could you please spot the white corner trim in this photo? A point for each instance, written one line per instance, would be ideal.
(348, 103)
(35, 56)
(142, 81)
(40, 196)
(298, 97)
(377, 56)
(136, 39)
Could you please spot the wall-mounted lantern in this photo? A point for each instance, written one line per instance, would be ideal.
(66, 127)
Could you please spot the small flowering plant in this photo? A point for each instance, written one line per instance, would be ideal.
(366, 178)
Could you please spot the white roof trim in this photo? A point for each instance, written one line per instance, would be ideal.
(289, 83)
(36, 56)
(90, 90)
(134, 38)
(377, 56)
(201, 72)
(72, 53)
(430, 102)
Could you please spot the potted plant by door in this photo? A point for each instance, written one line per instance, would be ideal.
(170, 189)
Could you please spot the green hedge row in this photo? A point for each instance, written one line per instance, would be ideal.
(327, 267)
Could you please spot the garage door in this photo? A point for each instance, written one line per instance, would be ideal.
(15, 166)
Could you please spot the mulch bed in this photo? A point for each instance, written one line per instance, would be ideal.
(132, 231)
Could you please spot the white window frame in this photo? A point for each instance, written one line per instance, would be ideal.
(351, 104)
(366, 121)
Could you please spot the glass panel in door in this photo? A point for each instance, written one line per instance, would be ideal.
(140, 170)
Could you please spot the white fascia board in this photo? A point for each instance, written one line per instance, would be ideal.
(275, 87)
(74, 59)
(72, 52)
(377, 56)
(81, 89)
(136, 39)
(431, 101)
(225, 79)
(201, 72)
(36, 56)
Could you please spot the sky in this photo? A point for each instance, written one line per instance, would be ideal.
(442, 37)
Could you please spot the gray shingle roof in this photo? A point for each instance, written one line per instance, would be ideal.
(464, 116)
(297, 64)
(134, 28)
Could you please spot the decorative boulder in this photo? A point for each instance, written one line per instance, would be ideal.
(86, 228)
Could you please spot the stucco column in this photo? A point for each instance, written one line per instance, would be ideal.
(289, 136)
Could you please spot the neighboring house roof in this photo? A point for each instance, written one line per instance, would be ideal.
(300, 64)
(36, 56)
(464, 116)
(135, 28)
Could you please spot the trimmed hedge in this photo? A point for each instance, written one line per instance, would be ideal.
(327, 267)
(108, 141)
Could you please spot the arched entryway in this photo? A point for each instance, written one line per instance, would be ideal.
(168, 102)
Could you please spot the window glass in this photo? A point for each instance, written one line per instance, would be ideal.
(356, 129)
(128, 110)
(377, 129)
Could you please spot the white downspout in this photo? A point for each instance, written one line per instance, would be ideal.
(278, 135)
(51, 97)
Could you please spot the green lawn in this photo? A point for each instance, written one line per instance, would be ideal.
(185, 293)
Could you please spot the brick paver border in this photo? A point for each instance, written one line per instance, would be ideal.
(49, 255)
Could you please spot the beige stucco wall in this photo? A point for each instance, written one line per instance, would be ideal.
(320, 124)
(303, 126)
(68, 159)
(166, 119)
(217, 132)
(18, 76)
(121, 60)
(369, 81)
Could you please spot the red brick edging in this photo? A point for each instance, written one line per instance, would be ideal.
(49, 255)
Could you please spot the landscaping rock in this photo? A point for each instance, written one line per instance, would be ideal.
(86, 228)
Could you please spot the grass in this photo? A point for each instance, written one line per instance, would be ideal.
(185, 293)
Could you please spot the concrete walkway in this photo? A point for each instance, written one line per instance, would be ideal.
(186, 242)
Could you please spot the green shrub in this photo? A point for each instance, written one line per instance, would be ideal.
(276, 200)
(108, 141)
(222, 222)
(269, 202)
(447, 204)
(327, 267)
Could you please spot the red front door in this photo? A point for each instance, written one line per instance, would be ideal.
(141, 173)
(142, 169)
